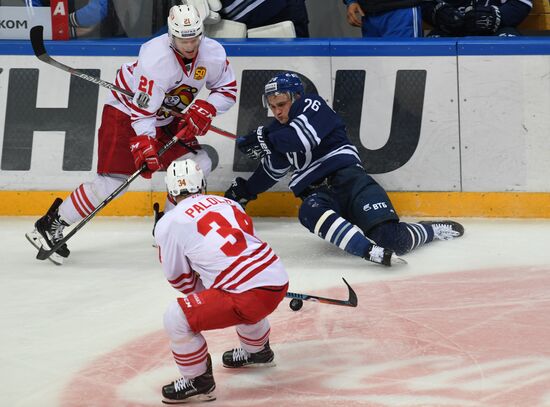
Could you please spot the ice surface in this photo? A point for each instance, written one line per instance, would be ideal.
(465, 323)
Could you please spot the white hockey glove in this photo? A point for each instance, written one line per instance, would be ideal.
(208, 10)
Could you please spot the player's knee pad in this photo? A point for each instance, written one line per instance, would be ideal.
(314, 207)
(176, 325)
(396, 236)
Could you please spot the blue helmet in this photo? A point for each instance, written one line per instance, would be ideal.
(285, 82)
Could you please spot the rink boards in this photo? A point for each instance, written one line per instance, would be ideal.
(450, 128)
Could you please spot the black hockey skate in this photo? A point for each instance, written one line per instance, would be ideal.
(386, 257)
(198, 388)
(445, 229)
(239, 357)
(48, 230)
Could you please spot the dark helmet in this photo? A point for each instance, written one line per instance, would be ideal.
(285, 82)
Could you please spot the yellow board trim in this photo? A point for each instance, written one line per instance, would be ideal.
(284, 204)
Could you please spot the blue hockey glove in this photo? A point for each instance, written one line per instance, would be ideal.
(256, 144)
(239, 193)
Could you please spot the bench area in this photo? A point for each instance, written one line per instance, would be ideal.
(538, 19)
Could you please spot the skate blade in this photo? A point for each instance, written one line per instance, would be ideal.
(396, 260)
(198, 398)
(253, 365)
(36, 240)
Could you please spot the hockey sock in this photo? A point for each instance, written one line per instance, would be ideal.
(338, 231)
(84, 199)
(254, 337)
(188, 348)
(401, 237)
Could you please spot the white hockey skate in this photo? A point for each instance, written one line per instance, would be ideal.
(386, 257)
(445, 229)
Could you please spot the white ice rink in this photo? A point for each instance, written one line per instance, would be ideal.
(465, 323)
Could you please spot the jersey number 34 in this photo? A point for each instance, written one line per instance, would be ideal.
(226, 229)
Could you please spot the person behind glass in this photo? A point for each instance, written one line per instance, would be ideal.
(341, 203)
(83, 19)
(228, 277)
(265, 12)
(460, 18)
(170, 71)
(386, 18)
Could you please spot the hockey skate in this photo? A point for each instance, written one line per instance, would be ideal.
(239, 357)
(445, 229)
(185, 390)
(386, 257)
(48, 230)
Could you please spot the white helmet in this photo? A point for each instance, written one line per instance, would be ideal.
(184, 22)
(184, 177)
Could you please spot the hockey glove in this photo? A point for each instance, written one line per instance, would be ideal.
(256, 144)
(448, 19)
(144, 150)
(197, 120)
(239, 193)
(482, 20)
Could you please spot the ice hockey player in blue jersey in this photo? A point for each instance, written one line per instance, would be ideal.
(341, 203)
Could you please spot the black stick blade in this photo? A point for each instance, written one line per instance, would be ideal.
(37, 40)
(352, 296)
(43, 254)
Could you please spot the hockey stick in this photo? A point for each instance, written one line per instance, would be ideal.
(43, 254)
(350, 302)
(37, 42)
(167, 131)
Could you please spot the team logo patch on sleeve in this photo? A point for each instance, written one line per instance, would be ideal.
(200, 73)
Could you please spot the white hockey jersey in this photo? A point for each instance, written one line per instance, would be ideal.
(213, 237)
(160, 75)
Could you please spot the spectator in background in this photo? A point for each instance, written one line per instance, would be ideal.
(386, 18)
(83, 20)
(459, 18)
(252, 13)
(88, 16)
(256, 13)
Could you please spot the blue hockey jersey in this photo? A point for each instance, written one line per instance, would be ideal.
(312, 145)
(253, 13)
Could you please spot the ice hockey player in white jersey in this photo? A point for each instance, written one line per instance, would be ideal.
(170, 71)
(228, 277)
